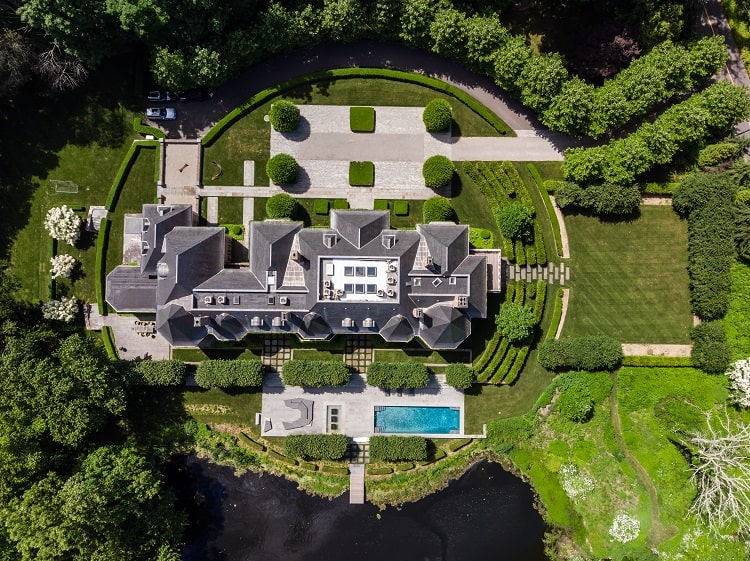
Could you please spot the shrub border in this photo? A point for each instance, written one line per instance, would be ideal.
(127, 163)
(102, 239)
(140, 128)
(108, 338)
(263, 96)
(549, 206)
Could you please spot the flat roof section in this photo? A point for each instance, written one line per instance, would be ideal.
(358, 279)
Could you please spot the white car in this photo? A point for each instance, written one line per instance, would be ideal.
(161, 113)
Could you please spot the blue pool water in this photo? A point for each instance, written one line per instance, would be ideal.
(424, 420)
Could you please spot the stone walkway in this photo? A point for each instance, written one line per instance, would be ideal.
(276, 351)
(358, 353)
(553, 274)
(656, 350)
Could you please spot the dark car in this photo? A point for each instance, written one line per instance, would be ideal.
(158, 95)
(193, 94)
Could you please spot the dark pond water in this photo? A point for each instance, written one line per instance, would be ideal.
(485, 515)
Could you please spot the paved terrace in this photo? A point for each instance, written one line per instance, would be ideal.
(356, 402)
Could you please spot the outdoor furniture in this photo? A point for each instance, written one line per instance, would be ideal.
(305, 408)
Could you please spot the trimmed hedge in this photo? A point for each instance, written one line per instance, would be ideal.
(102, 240)
(316, 446)
(361, 174)
(459, 376)
(108, 338)
(250, 443)
(143, 129)
(320, 206)
(334, 470)
(158, 373)
(340, 204)
(382, 470)
(394, 375)
(438, 209)
(437, 171)
(606, 199)
(592, 353)
(515, 221)
(315, 373)
(264, 96)
(398, 448)
(282, 169)
(515, 322)
(217, 373)
(401, 208)
(274, 455)
(437, 115)
(711, 352)
(456, 445)
(362, 119)
(653, 361)
(283, 115)
(716, 153)
(281, 205)
(381, 204)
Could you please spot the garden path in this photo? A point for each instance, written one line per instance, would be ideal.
(656, 350)
(552, 273)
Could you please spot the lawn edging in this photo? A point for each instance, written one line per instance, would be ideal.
(140, 128)
(101, 264)
(263, 96)
(108, 338)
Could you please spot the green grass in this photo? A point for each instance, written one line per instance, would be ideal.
(248, 138)
(230, 210)
(470, 205)
(421, 355)
(543, 206)
(199, 355)
(316, 354)
(629, 278)
(362, 119)
(361, 174)
(217, 406)
(737, 320)
(305, 212)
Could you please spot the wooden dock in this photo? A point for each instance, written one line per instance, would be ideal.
(356, 484)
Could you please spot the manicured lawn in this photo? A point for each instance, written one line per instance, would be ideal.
(737, 320)
(361, 174)
(230, 210)
(305, 212)
(215, 406)
(249, 137)
(629, 278)
(362, 119)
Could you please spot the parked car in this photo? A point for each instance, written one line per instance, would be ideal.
(161, 113)
(158, 95)
(193, 94)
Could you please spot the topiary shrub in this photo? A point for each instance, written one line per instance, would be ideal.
(515, 221)
(459, 376)
(320, 206)
(316, 446)
(284, 115)
(282, 169)
(595, 352)
(716, 153)
(362, 119)
(315, 373)
(361, 174)
(229, 373)
(438, 209)
(398, 448)
(437, 115)
(394, 375)
(401, 208)
(515, 322)
(158, 372)
(437, 171)
(711, 352)
(281, 205)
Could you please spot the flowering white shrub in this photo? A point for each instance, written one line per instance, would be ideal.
(62, 265)
(62, 310)
(575, 485)
(624, 528)
(62, 223)
(739, 378)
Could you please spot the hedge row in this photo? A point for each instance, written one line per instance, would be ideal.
(141, 128)
(315, 373)
(102, 241)
(592, 353)
(395, 375)
(459, 376)
(652, 361)
(108, 338)
(122, 173)
(217, 373)
(690, 123)
(556, 315)
(266, 95)
(707, 202)
(158, 372)
(250, 443)
(398, 448)
(316, 446)
(603, 199)
(711, 352)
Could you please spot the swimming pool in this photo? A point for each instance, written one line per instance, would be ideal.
(421, 420)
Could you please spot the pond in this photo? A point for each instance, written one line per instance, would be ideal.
(487, 514)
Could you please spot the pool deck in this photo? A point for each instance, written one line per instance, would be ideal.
(356, 403)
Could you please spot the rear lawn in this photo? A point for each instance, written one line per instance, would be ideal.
(249, 137)
(629, 278)
(230, 210)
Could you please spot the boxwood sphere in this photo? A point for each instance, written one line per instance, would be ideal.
(437, 171)
(282, 169)
(438, 209)
(281, 206)
(437, 115)
(284, 115)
